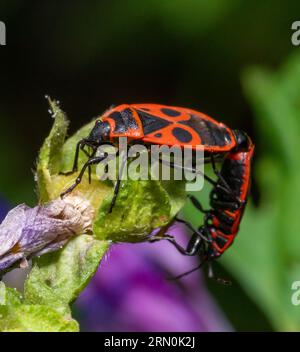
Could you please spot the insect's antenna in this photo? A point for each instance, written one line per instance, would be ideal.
(223, 282)
(188, 272)
(219, 280)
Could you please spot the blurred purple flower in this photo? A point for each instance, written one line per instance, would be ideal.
(131, 292)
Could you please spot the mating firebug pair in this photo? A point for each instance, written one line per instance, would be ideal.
(168, 125)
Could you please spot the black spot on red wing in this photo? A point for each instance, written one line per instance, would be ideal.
(182, 135)
(124, 120)
(117, 117)
(170, 112)
(157, 135)
(129, 120)
(151, 123)
(210, 133)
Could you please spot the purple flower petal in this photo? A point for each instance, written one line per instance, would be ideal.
(11, 228)
(28, 232)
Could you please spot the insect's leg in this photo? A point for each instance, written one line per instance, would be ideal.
(224, 186)
(211, 275)
(190, 250)
(79, 146)
(89, 156)
(175, 166)
(91, 161)
(197, 204)
(195, 231)
(193, 245)
(90, 167)
(234, 205)
(188, 272)
(218, 174)
(118, 183)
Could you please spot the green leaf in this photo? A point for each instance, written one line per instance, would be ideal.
(15, 315)
(9, 296)
(141, 207)
(176, 191)
(50, 155)
(57, 278)
(57, 155)
(35, 318)
(53, 284)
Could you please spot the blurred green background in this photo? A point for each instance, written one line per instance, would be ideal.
(230, 59)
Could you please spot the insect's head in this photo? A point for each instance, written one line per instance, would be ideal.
(242, 139)
(99, 133)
